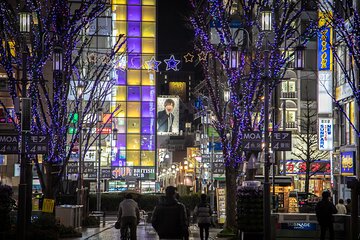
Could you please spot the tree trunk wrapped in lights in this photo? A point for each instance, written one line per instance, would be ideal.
(58, 27)
(218, 20)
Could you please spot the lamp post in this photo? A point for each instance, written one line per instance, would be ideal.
(98, 193)
(80, 90)
(24, 201)
(266, 24)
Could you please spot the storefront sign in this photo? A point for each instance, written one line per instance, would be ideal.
(347, 163)
(303, 226)
(321, 167)
(325, 92)
(343, 91)
(324, 42)
(325, 134)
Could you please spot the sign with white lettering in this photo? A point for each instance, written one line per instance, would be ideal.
(251, 141)
(281, 141)
(325, 134)
(38, 144)
(9, 144)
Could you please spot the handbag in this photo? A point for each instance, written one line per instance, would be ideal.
(118, 224)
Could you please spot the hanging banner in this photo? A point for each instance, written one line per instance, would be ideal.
(325, 134)
(347, 163)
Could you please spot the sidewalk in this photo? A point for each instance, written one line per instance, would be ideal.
(144, 231)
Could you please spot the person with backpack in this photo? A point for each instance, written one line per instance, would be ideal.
(203, 214)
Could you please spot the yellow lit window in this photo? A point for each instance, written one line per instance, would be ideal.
(148, 29)
(148, 14)
(133, 141)
(120, 12)
(149, 2)
(148, 158)
(133, 158)
(120, 27)
(119, 93)
(133, 77)
(121, 109)
(118, 1)
(148, 45)
(148, 78)
(133, 125)
(133, 109)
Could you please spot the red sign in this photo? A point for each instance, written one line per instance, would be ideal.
(103, 130)
(321, 167)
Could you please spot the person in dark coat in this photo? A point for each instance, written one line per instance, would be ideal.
(324, 212)
(203, 213)
(348, 206)
(169, 217)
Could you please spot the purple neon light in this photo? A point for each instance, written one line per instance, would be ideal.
(133, 93)
(134, 13)
(121, 77)
(134, 1)
(148, 93)
(134, 29)
(148, 142)
(148, 109)
(134, 45)
(134, 61)
(148, 125)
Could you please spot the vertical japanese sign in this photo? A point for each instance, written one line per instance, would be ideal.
(347, 163)
(325, 134)
(324, 43)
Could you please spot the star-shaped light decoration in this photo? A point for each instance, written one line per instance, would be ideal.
(172, 63)
(189, 57)
(152, 64)
(202, 56)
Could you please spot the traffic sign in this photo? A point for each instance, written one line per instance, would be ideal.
(281, 141)
(9, 144)
(251, 141)
(38, 144)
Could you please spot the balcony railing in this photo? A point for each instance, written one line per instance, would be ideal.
(288, 94)
(291, 125)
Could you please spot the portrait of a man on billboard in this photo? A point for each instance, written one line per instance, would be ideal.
(168, 116)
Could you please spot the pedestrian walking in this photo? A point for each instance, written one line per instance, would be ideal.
(129, 217)
(169, 217)
(203, 213)
(340, 207)
(187, 233)
(324, 212)
(348, 206)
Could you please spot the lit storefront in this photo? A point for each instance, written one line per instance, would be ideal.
(319, 172)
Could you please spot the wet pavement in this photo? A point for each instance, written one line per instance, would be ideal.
(144, 231)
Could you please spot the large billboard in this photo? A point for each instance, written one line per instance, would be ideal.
(168, 115)
(326, 134)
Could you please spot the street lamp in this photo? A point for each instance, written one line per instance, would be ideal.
(266, 19)
(299, 57)
(25, 185)
(115, 134)
(98, 193)
(266, 16)
(57, 59)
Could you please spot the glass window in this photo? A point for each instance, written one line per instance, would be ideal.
(134, 29)
(148, 2)
(133, 93)
(121, 142)
(134, 13)
(133, 141)
(148, 29)
(148, 45)
(148, 93)
(120, 124)
(148, 158)
(148, 78)
(148, 109)
(119, 12)
(134, 45)
(135, 2)
(134, 61)
(149, 13)
(121, 77)
(119, 93)
(133, 158)
(118, 1)
(133, 109)
(134, 77)
(148, 142)
(121, 109)
(119, 28)
(133, 125)
(148, 125)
